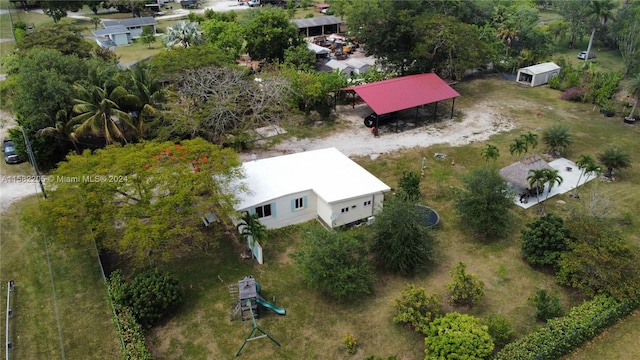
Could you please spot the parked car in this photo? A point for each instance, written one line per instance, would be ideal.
(583, 55)
(370, 120)
(9, 150)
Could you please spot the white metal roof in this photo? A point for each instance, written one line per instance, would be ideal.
(540, 68)
(327, 172)
(318, 49)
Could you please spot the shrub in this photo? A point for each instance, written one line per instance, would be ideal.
(130, 329)
(416, 308)
(410, 187)
(153, 295)
(465, 289)
(350, 343)
(457, 336)
(544, 239)
(547, 305)
(400, 241)
(562, 335)
(573, 94)
(500, 329)
(336, 263)
(484, 203)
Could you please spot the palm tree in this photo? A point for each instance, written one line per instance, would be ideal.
(536, 180)
(530, 139)
(551, 177)
(614, 157)
(601, 11)
(518, 146)
(587, 165)
(99, 113)
(62, 128)
(557, 138)
(183, 34)
(149, 94)
(251, 228)
(490, 152)
(634, 89)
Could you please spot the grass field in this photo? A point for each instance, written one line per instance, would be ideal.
(76, 319)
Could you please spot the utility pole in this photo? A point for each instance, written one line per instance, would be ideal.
(33, 161)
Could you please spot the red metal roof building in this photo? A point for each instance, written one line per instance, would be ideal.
(405, 92)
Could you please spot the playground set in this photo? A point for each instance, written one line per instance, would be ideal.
(246, 295)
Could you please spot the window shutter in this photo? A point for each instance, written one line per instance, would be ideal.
(252, 211)
(304, 201)
(273, 209)
(293, 205)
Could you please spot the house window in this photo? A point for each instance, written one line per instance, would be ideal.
(344, 210)
(263, 211)
(367, 203)
(299, 203)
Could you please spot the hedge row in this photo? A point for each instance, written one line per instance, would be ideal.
(563, 335)
(131, 331)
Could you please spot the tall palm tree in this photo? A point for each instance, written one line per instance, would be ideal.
(149, 94)
(536, 180)
(99, 113)
(587, 165)
(601, 11)
(490, 152)
(551, 177)
(614, 157)
(634, 89)
(518, 147)
(531, 139)
(557, 138)
(183, 34)
(62, 128)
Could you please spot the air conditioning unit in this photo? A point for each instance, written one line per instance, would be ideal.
(370, 220)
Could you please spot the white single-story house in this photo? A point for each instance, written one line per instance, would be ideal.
(134, 25)
(119, 35)
(537, 74)
(319, 184)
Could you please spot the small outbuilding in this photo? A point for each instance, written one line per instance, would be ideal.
(537, 74)
(117, 35)
(517, 173)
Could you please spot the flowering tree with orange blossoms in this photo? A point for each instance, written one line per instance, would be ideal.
(144, 201)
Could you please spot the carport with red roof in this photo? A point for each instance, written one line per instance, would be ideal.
(388, 96)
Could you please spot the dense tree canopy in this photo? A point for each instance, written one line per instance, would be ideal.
(269, 34)
(484, 203)
(544, 240)
(144, 201)
(599, 260)
(400, 241)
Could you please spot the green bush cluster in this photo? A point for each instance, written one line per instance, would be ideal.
(547, 305)
(562, 335)
(350, 343)
(130, 329)
(416, 308)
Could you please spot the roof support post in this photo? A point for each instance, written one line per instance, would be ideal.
(435, 112)
(452, 105)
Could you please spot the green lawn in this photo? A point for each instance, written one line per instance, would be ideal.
(79, 305)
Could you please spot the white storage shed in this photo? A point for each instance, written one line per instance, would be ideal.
(537, 74)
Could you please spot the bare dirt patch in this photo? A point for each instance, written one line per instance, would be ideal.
(478, 123)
